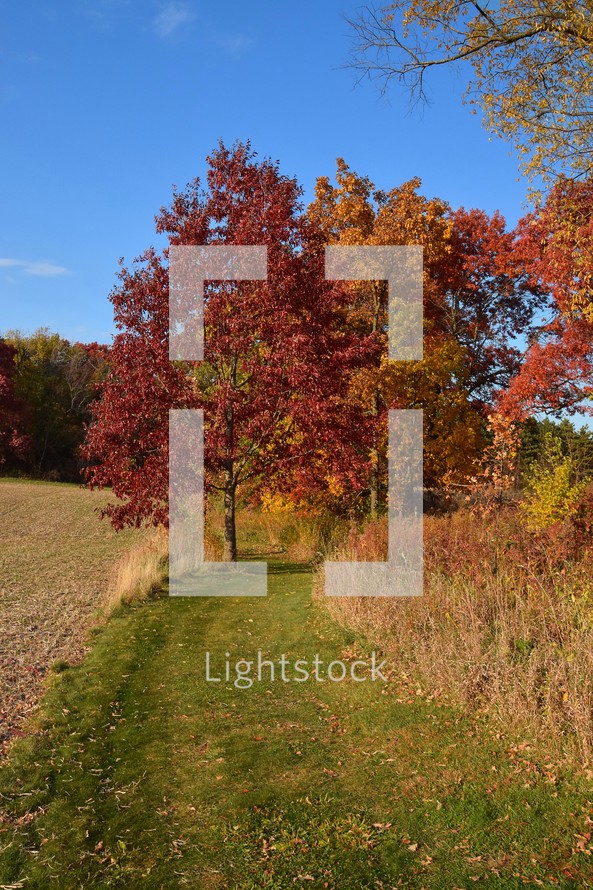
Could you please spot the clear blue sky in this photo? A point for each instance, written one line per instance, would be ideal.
(106, 103)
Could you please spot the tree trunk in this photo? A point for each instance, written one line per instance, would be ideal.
(230, 530)
(374, 498)
(378, 295)
(230, 487)
(374, 483)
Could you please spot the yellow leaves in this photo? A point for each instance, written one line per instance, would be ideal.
(334, 486)
(276, 503)
(552, 496)
(498, 462)
(344, 211)
(582, 302)
(453, 437)
(406, 217)
(532, 68)
(353, 212)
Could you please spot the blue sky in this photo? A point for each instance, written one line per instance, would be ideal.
(106, 104)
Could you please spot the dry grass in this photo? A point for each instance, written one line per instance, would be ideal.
(56, 559)
(292, 536)
(498, 633)
(141, 571)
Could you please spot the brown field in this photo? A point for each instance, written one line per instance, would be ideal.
(57, 563)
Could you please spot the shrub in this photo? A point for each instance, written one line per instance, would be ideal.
(552, 495)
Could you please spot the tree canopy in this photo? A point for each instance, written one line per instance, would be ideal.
(276, 356)
(531, 68)
(555, 246)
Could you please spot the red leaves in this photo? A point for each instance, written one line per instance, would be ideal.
(128, 440)
(13, 443)
(274, 382)
(486, 299)
(557, 374)
(279, 381)
(556, 246)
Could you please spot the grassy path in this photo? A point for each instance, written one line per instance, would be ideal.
(145, 775)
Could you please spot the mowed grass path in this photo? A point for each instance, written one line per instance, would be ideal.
(144, 775)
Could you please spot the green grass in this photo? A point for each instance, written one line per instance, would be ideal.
(144, 775)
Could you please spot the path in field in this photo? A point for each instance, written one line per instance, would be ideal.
(148, 776)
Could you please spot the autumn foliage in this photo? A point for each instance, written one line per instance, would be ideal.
(277, 357)
(478, 299)
(13, 443)
(530, 64)
(555, 244)
(296, 382)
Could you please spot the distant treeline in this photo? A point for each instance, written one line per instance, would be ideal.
(577, 444)
(47, 385)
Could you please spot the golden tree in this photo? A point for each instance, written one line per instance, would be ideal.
(353, 212)
(532, 64)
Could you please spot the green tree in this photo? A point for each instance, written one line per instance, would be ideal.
(577, 444)
(55, 380)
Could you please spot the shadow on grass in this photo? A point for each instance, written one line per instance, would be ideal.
(289, 568)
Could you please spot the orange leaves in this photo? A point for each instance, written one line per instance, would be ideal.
(453, 438)
(497, 470)
(556, 245)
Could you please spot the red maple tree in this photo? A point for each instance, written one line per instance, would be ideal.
(274, 381)
(556, 246)
(485, 299)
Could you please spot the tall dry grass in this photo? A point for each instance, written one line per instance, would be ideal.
(505, 623)
(285, 535)
(141, 571)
